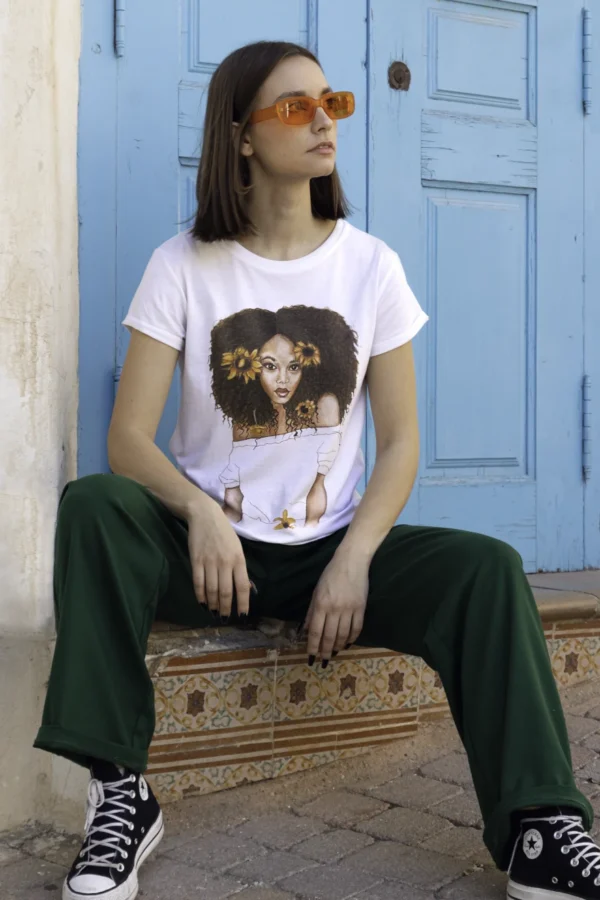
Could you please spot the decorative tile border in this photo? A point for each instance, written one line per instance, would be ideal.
(229, 718)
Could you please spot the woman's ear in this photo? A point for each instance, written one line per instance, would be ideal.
(246, 143)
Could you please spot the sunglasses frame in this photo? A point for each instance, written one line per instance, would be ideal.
(276, 111)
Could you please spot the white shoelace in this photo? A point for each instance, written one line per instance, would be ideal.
(111, 793)
(580, 840)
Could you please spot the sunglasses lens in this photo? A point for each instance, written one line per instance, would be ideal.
(340, 105)
(301, 110)
(296, 111)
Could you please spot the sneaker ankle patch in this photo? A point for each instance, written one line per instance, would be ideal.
(533, 843)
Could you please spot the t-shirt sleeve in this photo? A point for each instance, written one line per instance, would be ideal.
(158, 308)
(399, 315)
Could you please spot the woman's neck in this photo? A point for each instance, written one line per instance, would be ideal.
(286, 228)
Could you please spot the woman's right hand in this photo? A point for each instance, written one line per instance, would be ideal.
(218, 563)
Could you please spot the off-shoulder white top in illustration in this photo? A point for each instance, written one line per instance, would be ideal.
(293, 460)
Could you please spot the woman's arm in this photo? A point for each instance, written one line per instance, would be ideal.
(216, 554)
(392, 392)
(336, 613)
(141, 397)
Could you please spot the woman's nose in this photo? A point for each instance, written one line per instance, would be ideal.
(322, 120)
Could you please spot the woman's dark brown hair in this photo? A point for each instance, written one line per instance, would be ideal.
(224, 175)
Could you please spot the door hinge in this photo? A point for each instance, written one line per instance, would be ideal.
(117, 378)
(587, 62)
(586, 421)
(120, 27)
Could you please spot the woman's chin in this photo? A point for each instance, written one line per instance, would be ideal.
(322, 166)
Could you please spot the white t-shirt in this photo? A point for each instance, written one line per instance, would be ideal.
(273, 356)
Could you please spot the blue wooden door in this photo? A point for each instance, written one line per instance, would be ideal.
(477, 175)
(474, 174)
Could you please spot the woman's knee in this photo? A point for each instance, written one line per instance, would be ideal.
(482, 551)
(95, 495)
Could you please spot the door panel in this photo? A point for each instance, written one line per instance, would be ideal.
(477, 184)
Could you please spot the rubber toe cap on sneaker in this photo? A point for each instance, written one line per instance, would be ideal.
(90, 885)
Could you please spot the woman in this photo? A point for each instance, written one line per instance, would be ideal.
(239, 302)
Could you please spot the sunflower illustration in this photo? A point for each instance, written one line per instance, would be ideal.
(306, 410)
(307, 354)
(242, 364)
(285, 521)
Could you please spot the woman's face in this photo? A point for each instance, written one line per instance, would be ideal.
(281, 372)
(289, 150)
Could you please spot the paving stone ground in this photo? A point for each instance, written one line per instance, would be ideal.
(401, 823)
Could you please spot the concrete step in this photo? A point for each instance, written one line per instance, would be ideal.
(240, 705)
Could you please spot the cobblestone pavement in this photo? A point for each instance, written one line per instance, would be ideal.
(401, 823)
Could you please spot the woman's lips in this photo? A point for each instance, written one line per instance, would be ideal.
(282, 392)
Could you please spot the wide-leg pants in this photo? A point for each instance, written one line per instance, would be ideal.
(457, 599)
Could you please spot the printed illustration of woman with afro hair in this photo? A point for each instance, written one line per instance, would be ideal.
(285, 381)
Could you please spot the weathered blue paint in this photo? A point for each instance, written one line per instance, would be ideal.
(475, 175)
(592, 324)
(97, 168)
(477, 179)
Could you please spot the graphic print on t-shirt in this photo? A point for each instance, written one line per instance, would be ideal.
(284, 380)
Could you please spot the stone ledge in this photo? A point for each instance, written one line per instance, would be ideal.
(567, 595)
(559, 606)
(555, 604)
(240, 704)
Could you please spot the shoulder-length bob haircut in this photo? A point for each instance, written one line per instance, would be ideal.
(224, 175)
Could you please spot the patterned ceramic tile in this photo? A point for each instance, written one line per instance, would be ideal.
(249, 697)
(396, 681)
(349, 684)
(431, 689)
(299, 691)
(571, 661)
(433, 712)
(333, 733)
(170, 786)
(238, 716)
(210, 700)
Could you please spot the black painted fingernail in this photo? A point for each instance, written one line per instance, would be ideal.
(243, 615)
(347, 647)
(334, 652)
(224, 620)
(253, 588)
(311, 660)
(325, 663)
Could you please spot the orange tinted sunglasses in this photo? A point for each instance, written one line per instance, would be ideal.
(302, 110)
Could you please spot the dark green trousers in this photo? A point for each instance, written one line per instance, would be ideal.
(458, 600)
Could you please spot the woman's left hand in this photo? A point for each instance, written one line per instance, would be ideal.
(335, 615)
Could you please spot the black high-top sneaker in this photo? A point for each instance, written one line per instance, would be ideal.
(554, 858)
(123, 825)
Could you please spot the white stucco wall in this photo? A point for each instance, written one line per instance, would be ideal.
(39, 52)
(39, 306)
